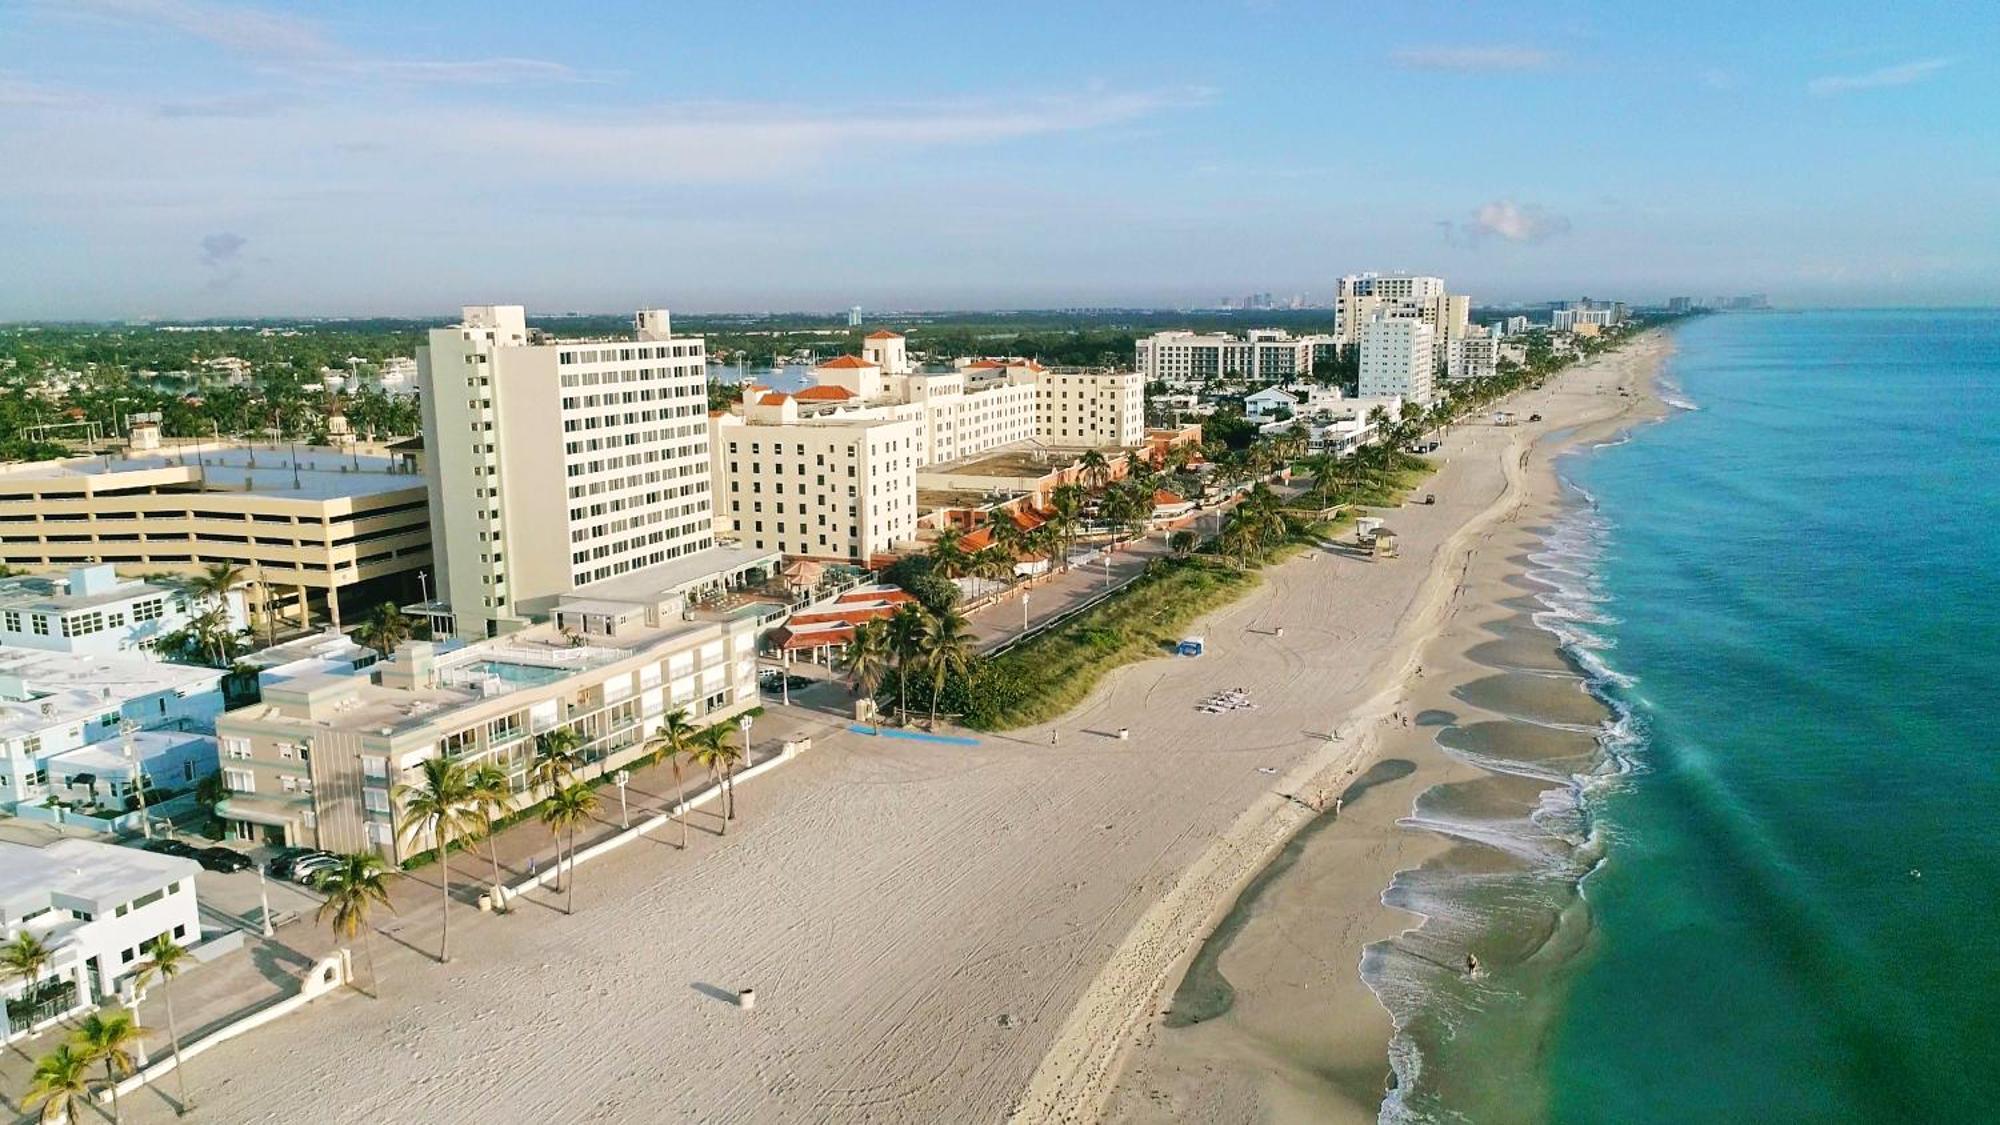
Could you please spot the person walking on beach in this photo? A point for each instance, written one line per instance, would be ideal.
(1055, 736)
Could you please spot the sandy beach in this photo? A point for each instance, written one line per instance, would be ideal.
(1287, 1030)
(962, 933)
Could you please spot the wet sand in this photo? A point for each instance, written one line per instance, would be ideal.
(1282, 1026)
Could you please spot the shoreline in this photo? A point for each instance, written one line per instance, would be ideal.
(1102, 1062)
(920, 923)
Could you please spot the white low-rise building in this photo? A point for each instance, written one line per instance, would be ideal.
(52, 702)
(91, 610)
(320, 761)
(1472, 356)
(97, 907)
(107, 773)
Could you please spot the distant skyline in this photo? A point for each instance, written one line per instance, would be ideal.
(200, 158)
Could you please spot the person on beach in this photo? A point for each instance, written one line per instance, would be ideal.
(1054, 737)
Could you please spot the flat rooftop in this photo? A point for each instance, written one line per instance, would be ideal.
(653, 583)
(66, 687)
(50, 593)
(1012, 462)
(228, 467)
(107, 759)
(83, 869)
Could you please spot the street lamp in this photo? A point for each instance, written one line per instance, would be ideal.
(126, 728)
(1024, 611)
(621, 779)
(743, 722)
(264, 896)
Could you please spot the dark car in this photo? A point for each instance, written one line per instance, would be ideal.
(174, 847)
(223, 860)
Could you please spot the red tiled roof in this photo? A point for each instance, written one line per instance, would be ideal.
(824, 394)
(773, 400)
(891, 595)
(789, 640)
(885, 334)
(1162, 498)
(846, 363)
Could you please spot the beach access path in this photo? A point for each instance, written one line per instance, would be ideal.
(920, 921)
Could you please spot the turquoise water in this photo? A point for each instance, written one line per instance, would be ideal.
(1797, 917)
(1772, 894)
(530, 675)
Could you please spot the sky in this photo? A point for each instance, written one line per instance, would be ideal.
(209, 158)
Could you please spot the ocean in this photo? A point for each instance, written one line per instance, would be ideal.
(1763, 882)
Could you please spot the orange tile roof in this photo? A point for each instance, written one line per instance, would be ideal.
(885, 334)
(847, 362)
(773, 400)
(824, 394)
(1162, 498)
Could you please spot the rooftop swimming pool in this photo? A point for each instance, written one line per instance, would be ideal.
(519, 674)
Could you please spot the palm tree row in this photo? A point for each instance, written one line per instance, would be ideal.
(61, 1082)
(911, 643)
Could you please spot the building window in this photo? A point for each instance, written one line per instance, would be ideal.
(239, 781)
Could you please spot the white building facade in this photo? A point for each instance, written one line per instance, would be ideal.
(833, 487)
(98, 907)
(1091, 409)
(91, 610)
(1398, 358)
(1361, 298)
(53, 702)
(1264, 355)
(555, 463)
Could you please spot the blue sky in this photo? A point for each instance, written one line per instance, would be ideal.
(205, 157)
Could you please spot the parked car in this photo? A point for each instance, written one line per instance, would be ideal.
(222, 859)
(173, 847)
(308, 868)
(283, 866)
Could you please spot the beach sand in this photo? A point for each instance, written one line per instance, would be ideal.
(1302, 1037)
(934, 932)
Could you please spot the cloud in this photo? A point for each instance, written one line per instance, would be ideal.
(1504, 219)
(1475, 60)
(19, 93)
(1902, 74)
(222, 256)
(300, 47)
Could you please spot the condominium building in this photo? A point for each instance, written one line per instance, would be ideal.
(318, 762)
(563, 462)
(1264, 355)
(1568, 318)
(1475, 355)
(97, 907)
(316, 530)
(91, 610)
(826, 487)
(1363, 297)
(1080, 408)
(1398, 357)
(54, 702)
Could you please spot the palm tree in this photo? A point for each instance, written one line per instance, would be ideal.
(386, 629)
(1065, 514)
(867, 657)
(61, 1085)
(109, 1038)
(353, 890)
(439, 806)
(566, 808)
(906, 630)
(1095, 469)
(555, 757)
(25, 958)
(713, 752)
(673, 743)
(491, 794)
(1182, 543)
(947, 554)
(216, 580)
(946, 650)
(166, 960)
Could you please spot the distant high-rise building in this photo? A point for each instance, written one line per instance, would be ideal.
(1262, 356)
(854, 317)
(557, 463)
(1362, 297)
(1680, 304)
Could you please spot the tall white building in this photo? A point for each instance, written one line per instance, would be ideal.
(1363, 297)
(1398, 357)
(557, 463)
(1264, 355)
(1475, 355)
(1091, 409)
(827, 487)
